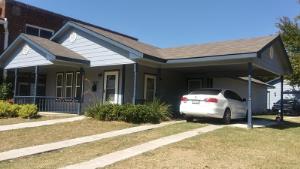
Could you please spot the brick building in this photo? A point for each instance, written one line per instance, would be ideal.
(23, 18)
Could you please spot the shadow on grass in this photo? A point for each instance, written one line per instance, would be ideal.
(278, 125)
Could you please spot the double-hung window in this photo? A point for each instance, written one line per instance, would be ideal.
(78, 85)
(69, 85)
(59, 84)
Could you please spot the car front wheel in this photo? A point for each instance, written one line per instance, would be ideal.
(227, 116)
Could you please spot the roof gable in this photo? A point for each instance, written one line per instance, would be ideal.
(97, 51)
(43, 48)
(26, 56)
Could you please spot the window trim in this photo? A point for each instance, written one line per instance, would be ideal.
(72, 83)
(145, 85)
(62, 86)
(39, 28)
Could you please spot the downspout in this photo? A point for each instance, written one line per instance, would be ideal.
(4, 22)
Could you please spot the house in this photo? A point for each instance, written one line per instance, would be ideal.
(289, 92)
(17, 17)
(82, 64)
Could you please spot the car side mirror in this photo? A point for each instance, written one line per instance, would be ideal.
(244, 100)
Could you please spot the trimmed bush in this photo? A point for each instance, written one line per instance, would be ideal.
(153, 112)
(28, 111)
(8, 110)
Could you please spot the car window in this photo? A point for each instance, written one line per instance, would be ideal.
(232, 95)
(207, 91)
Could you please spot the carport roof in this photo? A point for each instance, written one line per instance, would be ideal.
(241, 46)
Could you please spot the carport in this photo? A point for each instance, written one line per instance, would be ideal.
(263, 58)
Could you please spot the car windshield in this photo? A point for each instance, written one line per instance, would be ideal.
(207, 91)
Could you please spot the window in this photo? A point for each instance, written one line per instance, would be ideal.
(232, 95)
(197, 84)
(69, 85)
(77, 85)
(39, 31)
(149, 87)
(207, 91)
(59, 84)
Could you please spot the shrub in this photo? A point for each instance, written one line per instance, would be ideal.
(153, 112)
(8, 110)
(28, 111)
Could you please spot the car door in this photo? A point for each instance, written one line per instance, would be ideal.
(231, 102)
(235, 104)
(240, 105)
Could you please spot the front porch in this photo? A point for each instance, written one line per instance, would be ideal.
(34, 85)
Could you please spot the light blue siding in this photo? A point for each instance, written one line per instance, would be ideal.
(99, 53)
(27, 57)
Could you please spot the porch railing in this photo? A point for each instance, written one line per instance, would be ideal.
(51, 104)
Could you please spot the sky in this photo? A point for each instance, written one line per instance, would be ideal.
(170, 23)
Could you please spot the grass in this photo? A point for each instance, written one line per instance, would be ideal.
(277, 147)
(88, 151)
(8, 121)
(45, 134)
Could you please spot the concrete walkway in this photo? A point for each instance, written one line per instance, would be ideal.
(256, 124)
(114, 157)
(16, 153)
(39, 123)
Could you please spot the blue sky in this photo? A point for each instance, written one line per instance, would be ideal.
(167, 23)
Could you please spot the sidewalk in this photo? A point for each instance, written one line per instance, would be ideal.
(16, 153)
(114, 157)
(39, 123)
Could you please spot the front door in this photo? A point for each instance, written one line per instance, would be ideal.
(111, 87)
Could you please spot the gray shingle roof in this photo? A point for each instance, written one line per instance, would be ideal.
(210, 49)
(218, 48)
(55, 48)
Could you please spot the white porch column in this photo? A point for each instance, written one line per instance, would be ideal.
(250, 124)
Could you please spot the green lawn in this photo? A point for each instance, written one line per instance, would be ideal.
(277, 147)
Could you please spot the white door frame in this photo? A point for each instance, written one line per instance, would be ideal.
(145, 85)
(116, 97)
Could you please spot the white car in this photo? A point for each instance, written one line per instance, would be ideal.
(218, 103)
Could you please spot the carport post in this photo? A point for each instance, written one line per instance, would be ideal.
(15, 84)
(134, 83)
(36, 69)
(250, 125)
(281, 98)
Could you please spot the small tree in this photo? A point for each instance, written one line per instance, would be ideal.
(6, 91)
(290, 34)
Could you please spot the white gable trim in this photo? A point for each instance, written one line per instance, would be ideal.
(113, 42)
(27, 56)
(97, 51)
